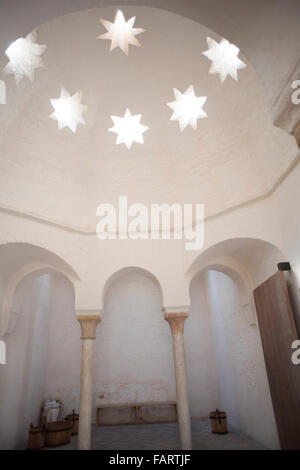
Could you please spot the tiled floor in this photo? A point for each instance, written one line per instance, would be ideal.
(163, 437)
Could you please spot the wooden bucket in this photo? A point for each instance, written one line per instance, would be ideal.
(35, 438)
(218, 422)
(74, 419)
(58, 433)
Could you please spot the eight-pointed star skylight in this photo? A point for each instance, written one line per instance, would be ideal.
(128, 128)
(121, 33)
(68, 110)
(224, 58)
(24, 57)
(187, 108)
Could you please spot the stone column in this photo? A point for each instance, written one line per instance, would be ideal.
(88, 325)
(176, 322)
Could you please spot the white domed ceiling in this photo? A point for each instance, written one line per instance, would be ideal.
(234, 156)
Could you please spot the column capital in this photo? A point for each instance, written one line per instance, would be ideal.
(88, 325)
(180, 309)
(176, 321)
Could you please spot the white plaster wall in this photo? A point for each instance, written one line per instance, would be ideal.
(22, 378)
(64, 347)
(200, 353)
(242, 380)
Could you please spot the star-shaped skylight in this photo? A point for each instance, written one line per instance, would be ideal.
(121, 32)
(128, 128)
(24, 57)
(68, 110)
(187, 108)
(224, 57)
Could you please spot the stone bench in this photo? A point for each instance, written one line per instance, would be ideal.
(137, 407)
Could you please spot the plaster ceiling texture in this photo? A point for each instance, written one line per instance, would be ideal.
(235, 155)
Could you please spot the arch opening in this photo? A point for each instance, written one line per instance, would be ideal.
(19, 260)
(223, 321)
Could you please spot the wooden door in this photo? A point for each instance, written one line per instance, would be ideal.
(278, 331)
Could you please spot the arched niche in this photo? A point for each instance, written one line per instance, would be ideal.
(227, 367)
(133, 348)
(223, 278)
(42, 344)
